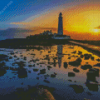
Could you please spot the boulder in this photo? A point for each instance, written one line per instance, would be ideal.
(75, 70)
(77, 88)
(85, 67)
(77, 62)
(42, 71)
(65, 65)
(71, 74)
(22, 73)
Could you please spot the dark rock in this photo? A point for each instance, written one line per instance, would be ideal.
(95, 71)
(29, 71)
(53, 75)
(29, 65)
(98, 59)
(21, 64)
(85, 67)
(75, 70)
(92, 87)
(87, 56)
(37, 78)
(22, 83)
(77, 88)
(42, 71)
(91, 77)
(74, 52)
(65, 65)
(46, 81)
(70, 80)
(10, 57)
(22, 73)
(2, 71)
(89, 93)
(81, 56)
(35, 70)
(75, 63)
(79, 52)
(34, 65)
(15, 56)
(49, 67)
(92, 58)
(69, 57)
(6, 68)
(25, 58)
(71, 74)
(2, 64)
(98, 65)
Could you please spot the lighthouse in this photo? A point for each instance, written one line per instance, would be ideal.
(60, 24)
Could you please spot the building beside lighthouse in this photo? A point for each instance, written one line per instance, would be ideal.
(60, 29)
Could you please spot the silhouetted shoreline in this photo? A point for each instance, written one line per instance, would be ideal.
(29, 43)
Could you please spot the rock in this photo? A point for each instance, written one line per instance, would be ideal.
(15, 56)
(6, 68)
(77, 88)
(10, 57)
(85, 67)
(69, 57)
(2, 64)
(65, 65)
(37, 78)
(29, 71)
(45, 76)
(2, 71)
(29, 65)
(75, 63)
(79, 52)
(75, 70)
(98, 65)
(91, 77)
(94, 71)
(25, 58)
(70, 80)
(53, 75)
(49, 67)
(74, 52)
(42, 71)
(71, 74)
(98, 59)
(92, 58)
(22, 73)
(22, 83)
(34, 65)
(21, 64)
(87, 56)
(46, 81)
(35, 70)
(81, 56)
(92, 87)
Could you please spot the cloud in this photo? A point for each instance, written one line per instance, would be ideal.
(14, 33)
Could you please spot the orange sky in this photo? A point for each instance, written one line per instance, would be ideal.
(80, 20)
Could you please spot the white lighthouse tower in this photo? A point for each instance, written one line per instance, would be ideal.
(60, 24)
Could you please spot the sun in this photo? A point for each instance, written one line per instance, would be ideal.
(96, 30)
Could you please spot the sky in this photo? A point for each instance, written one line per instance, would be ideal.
(21, 18)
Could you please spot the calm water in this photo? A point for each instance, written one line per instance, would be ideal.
(53, 56)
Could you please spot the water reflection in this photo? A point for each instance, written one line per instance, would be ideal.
(59, 51)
